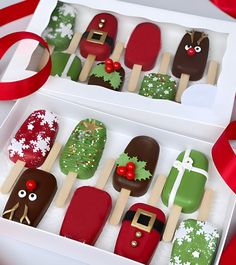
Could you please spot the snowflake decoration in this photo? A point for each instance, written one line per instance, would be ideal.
(54, 18)
(48, 33)
(48, 118)
(30, 126)
(196, 254)
(67, 10)
(150, 85)
(42, 145)
(17, 147)
(65, 30)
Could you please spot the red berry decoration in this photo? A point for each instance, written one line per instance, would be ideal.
(109, 68)
(130, 175)
(31, 185)
(108, 62)
(130, 166)
(116, 66)
(121, 170)
(191, 51)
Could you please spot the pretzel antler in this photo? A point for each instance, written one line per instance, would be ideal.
(203, 36)
(191, 33)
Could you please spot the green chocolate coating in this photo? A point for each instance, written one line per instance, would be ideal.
(84, 149)
(158, 86)
(195, 243)
(60, 29)
(59, 61)
(191, 188)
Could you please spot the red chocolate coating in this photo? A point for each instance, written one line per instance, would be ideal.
(146, 243)
(34, 139)
(143, 46)
(189, 59)
(145, 149)
(37, 200)
(86, 215)
(102, 51)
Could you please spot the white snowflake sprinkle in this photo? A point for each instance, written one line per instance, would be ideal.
(65, 30)
(54, 18)
(166, 92)
(41, 145)
(30, 126)
(196, 254)
(67, 10)
(48, 118)
(17, 147)
(155, 79)
(150, 85)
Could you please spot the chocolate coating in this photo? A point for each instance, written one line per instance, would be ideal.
(145, 149)
(36, 201)
(102, 78)
(193, 65)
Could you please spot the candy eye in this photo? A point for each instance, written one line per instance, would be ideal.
(32, 197)
(197, 48)
(187, 47)
(22, 193)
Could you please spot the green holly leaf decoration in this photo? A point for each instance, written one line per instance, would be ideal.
(113, 78)
(140, 172)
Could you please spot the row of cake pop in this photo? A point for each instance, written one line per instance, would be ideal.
(98, 42)
(90, 207)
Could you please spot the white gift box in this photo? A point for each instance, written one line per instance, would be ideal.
(202, 122)
(119, 130)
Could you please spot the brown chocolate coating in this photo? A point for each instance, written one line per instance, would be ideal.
(28, 207)
(145, 149)
(99, 81)
(194, 64)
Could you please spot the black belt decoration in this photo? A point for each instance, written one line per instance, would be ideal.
(99, 37)
(144, 220)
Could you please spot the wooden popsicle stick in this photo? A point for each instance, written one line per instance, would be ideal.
(133, 81)
(119, 207)
(204, 209)
(52, 156)
(44, 57)
(12, 177)
(74, 43)
(65, 189)
(105, 174)
(165, 61)
(117, 51)
(87, 67)
(212, 73)
(172, 223)
(183, 83)
(157, 190)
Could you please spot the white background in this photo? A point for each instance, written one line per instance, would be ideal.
(17, 253)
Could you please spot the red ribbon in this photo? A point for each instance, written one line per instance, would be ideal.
(228, 6)
(25, 87)
(17, 11)
(224, 156)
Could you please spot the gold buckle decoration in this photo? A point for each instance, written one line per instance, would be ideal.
(147, 228)
(97, 36)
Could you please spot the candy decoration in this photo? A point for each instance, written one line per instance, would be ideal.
(31, 185)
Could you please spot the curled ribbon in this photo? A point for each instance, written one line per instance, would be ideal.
(224, 157)
(24, 87)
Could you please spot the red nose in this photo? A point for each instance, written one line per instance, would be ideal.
(191, 51)
(31, 185)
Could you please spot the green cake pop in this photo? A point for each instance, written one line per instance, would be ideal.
(81, 154)
(60, 29)
(184, 187)
(159, 85)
